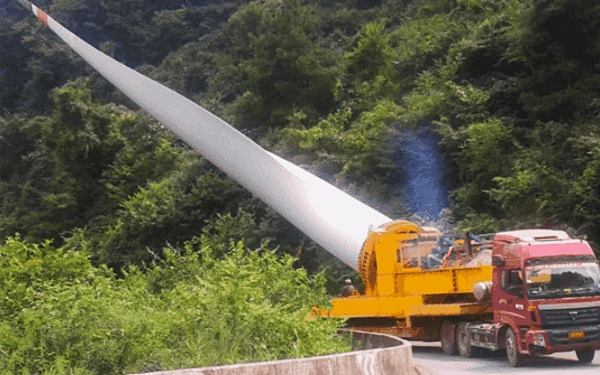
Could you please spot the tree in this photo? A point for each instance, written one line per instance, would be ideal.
(555, 44)
(486, 150)
(587, 198)
(282, 65)
(55, 185)
(372, 56)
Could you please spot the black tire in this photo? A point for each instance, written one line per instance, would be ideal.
(515, 359)
(448, 338)
(585, 355)
(463, 341)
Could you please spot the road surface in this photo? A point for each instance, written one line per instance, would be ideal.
(430, 356)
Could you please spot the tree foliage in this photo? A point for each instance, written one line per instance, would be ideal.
(60, 314)
(282, 65)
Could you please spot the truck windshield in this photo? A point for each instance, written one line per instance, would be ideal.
(563, 280)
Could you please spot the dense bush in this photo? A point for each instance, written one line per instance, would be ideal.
(59, 314)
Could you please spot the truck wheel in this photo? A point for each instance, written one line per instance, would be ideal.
(515, 359)
(448, 338)
(585, 355)
(463, 341)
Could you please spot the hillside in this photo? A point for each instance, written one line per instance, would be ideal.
(509, 88)
(329, 84)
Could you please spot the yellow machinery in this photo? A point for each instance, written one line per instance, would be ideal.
(403, 298)
(544, 297)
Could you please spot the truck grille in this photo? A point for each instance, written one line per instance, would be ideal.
(570, 317)
(560, 337)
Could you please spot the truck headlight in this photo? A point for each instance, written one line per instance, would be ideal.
(539, 340)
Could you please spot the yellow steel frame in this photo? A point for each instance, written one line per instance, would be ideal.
(413, 292)
(415, 299)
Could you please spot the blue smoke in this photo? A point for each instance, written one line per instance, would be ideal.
(422, 165)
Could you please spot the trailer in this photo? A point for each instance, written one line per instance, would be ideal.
(529, 292)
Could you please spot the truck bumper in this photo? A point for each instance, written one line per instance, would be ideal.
(548, 341)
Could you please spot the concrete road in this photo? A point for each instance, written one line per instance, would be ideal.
(430, 356)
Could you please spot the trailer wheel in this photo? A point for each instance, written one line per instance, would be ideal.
(448, 338)
(463, 341)
(515, 359)
(585, 355)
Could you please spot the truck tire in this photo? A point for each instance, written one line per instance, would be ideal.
(585, 355)
(463, 341)
(448, 338)
(515, 359)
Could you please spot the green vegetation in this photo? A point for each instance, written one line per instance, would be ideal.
(62, 315)
(511, 87)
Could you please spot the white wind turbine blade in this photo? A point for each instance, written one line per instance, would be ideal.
(332, 218)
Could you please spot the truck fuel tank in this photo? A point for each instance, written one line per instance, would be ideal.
(482, 291)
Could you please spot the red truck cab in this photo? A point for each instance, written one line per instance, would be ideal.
(545, 295)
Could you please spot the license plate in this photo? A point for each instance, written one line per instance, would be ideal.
(576, 335)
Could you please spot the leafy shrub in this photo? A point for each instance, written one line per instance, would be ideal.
(62, 315)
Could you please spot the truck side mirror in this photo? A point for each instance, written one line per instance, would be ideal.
(497, 261)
